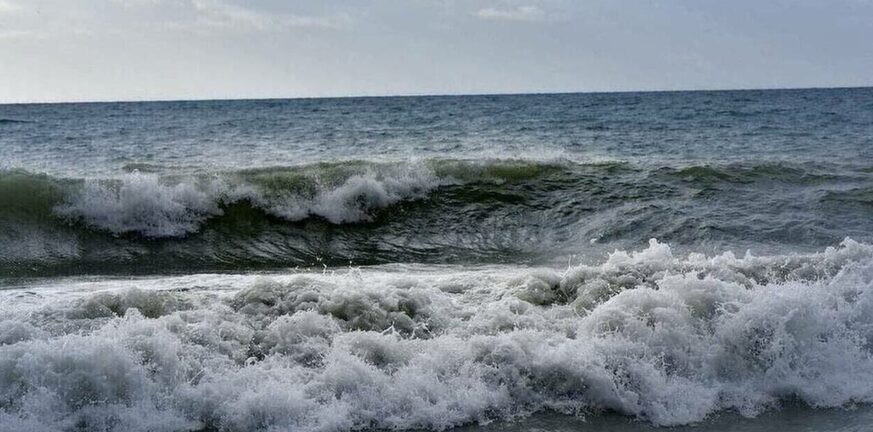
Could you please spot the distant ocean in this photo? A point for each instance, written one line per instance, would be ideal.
(584, 262)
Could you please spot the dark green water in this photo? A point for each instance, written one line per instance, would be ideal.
(789, 419)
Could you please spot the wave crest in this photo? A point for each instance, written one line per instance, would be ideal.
(142, 203)
(152, 206)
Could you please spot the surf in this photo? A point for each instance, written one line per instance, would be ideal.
(666, 338)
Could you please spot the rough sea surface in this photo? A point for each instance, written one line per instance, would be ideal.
(584, 262)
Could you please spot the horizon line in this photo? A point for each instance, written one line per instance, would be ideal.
(420, 95)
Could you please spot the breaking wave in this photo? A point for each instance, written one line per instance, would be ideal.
(148, 205)
(669, 339)
(435, 210)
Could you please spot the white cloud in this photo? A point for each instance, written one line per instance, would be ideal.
(220, 14)
(133, 3)
(14, 34)
(208, 15)
(520, 13)
(8, 6)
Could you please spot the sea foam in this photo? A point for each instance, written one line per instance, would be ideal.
(142, 203)
(152, 206)
(664, 338)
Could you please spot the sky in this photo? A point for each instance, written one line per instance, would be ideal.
(98, 50)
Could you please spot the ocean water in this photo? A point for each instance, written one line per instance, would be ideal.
(586, 262)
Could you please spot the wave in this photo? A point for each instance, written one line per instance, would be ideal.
(739, 173)
(149, 205)
(434, 210)
(668, 339)
(5, 121)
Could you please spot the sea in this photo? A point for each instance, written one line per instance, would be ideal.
(659, 261)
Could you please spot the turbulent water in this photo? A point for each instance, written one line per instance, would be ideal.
(579, 261)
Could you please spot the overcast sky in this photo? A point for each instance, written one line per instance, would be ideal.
(63, 50)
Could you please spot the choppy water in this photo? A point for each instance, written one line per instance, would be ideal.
(434, 262)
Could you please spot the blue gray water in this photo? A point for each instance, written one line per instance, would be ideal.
(636, 259)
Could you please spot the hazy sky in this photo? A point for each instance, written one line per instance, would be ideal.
(59, 50)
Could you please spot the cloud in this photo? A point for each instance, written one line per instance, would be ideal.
(8, 6)
(210, 15)
(219, 14)
(14, 34)
(520, 13)
(134, 3)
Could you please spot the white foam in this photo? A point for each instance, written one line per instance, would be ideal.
(355, 199)
(152, 206)
(665, 338)
(144, 204)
